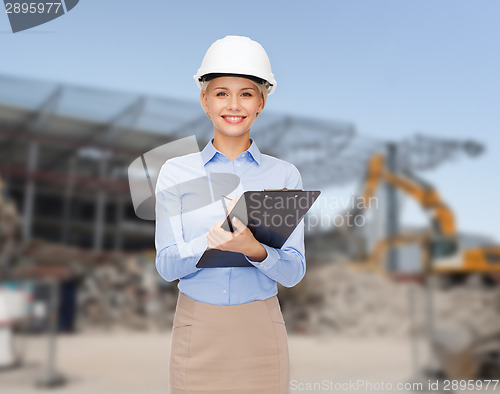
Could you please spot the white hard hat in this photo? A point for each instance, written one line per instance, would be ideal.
(237, 55)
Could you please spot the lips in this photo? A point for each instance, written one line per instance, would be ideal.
(233, 119)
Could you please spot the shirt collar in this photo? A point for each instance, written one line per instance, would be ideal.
(210, 151)
(255, 152)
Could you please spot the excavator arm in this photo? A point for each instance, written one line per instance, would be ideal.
(441, 246)
(421, 191)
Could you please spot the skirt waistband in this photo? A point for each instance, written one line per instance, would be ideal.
(190, 309)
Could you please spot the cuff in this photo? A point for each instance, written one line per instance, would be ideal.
(199, 244)
(269, 262)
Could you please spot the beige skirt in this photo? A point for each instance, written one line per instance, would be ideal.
(229, 349)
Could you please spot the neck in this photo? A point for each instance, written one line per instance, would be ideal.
(231, 147)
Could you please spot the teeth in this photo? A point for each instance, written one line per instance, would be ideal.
(233, 117)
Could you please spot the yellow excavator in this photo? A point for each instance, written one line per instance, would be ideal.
(442, 251)
(454, 355)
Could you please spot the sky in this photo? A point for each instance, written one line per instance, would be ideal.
(392, 68)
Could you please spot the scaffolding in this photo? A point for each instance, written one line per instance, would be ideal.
(65, 151)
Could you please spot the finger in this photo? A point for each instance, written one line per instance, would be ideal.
(220, 238)
(210, 243)
(213, 243)
(217, 229)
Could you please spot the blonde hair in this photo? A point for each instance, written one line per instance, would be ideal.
(262, 89)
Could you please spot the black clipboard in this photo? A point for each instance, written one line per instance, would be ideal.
(271, 216)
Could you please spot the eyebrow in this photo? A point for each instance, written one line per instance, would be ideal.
(249, 88)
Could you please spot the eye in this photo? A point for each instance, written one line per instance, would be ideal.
(221, 94)
(247, 94)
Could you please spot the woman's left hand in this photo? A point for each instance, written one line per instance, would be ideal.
(241, 241)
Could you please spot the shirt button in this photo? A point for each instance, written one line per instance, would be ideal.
(237, 164)
(224, 291)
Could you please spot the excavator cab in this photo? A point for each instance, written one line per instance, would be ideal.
(443, 248)
(445, 254)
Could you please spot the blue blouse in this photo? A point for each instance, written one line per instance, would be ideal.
(181, 239)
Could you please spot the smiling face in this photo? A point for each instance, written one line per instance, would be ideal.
(233, 104)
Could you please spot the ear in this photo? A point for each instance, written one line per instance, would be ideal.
(262, 104)
(204, 101)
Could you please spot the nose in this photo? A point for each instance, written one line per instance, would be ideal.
(233, 103)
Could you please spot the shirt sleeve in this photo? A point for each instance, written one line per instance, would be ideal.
(175, 258)
(288, 264)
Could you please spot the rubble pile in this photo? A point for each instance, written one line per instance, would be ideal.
(472, 306)
(127, 295)
(338, 298)
(332, 298)
(10, 225)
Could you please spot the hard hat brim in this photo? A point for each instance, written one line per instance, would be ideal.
(207, 77)
(210, 76)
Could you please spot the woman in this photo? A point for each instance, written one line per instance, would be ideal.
(228, 333)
